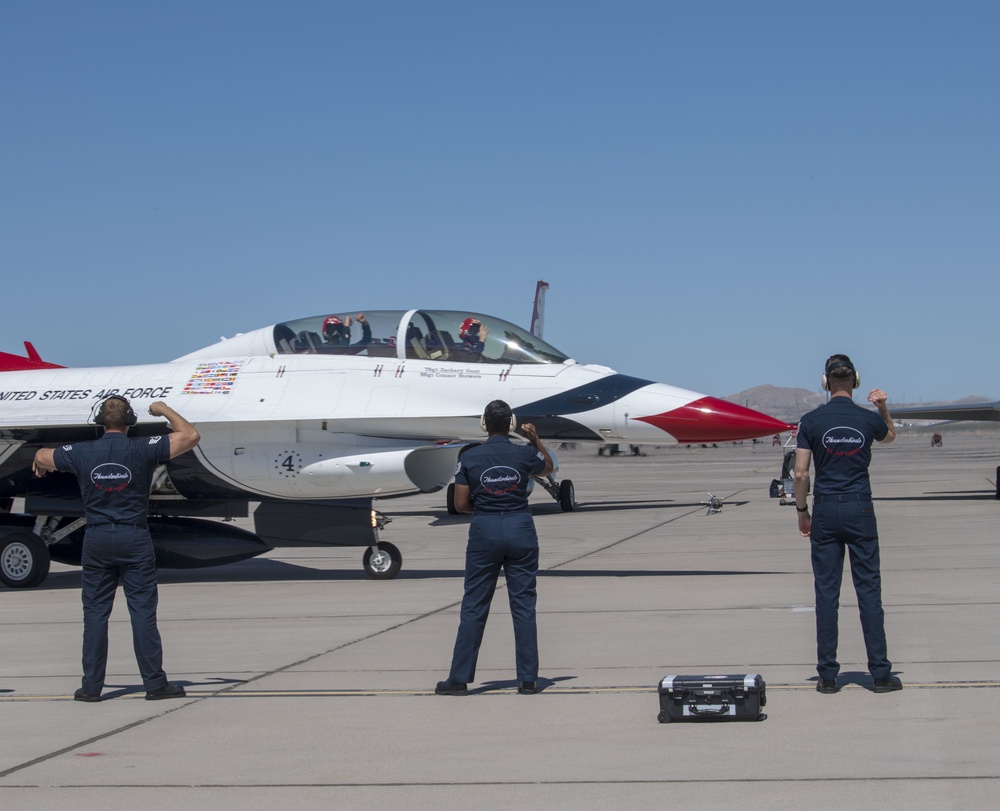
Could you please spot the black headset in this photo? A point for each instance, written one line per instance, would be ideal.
(130, 416)
(510, 430)
(839, 362)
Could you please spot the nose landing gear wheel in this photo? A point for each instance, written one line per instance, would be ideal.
(383, 561)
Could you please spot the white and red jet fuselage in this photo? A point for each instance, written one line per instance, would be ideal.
(297, 412)
(283, 418)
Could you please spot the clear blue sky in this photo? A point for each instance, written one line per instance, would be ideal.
(720, 193)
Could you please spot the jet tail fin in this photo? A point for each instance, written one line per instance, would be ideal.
(538, 311)
(31, 360)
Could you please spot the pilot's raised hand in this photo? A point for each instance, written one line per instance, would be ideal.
(361, 318)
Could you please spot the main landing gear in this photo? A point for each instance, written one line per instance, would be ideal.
(24, 560)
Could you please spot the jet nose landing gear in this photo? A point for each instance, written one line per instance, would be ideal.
(382, 561)
(563, 491)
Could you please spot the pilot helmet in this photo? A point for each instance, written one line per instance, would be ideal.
(335, 331)
(469, 331)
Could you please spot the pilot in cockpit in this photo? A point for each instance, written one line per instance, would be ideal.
(337, 332)
(473, 334)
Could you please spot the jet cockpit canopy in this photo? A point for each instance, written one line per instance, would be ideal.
(435, 335)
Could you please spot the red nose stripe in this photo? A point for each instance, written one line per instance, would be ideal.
(711, 420)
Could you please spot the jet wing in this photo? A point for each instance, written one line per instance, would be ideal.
(987, 412)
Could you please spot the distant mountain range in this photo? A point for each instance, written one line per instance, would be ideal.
(790, 404)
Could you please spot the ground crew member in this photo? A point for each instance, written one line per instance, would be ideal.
(491, 482)
(838, 436)
(115, 474)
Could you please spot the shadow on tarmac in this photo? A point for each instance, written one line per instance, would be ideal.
(120, 690)
(859, 678)
(511, 684)
(957, 495)
(262, 571)
(446, 519)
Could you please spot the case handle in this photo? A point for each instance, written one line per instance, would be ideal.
(722, 709)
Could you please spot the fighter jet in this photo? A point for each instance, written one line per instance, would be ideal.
(313, 418)
(969, 412)
(989, 412)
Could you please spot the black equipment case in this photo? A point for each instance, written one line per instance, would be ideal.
(736, 697)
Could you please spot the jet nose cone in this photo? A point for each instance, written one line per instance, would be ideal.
(709, 419)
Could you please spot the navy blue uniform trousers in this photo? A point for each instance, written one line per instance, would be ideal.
(847, 522)
(114, 553)
(508, 542)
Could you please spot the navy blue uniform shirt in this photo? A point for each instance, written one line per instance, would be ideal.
(497, 474)
(115, 474)
(840, 435)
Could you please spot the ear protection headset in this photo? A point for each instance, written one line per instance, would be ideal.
(130, 416)
(510, 430)
(839, 361)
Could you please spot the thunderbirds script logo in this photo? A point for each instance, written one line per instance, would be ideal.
(843, 441)
(500, 480)
(111, 477)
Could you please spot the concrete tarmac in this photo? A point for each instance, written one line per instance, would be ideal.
(311, 686)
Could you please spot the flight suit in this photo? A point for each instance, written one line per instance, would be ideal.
(115, 475)
(501, 537)
(840, 435)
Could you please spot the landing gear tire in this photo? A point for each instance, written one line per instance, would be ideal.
(450, 499)
(384, 564)
(567, 496)
(24, 560)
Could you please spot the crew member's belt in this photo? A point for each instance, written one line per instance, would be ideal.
(843, 497)
(117, 524)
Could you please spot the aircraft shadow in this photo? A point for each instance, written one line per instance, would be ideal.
(446, 519)
(651, 573)
(274, 570)
(267, 571)
(946, 495)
